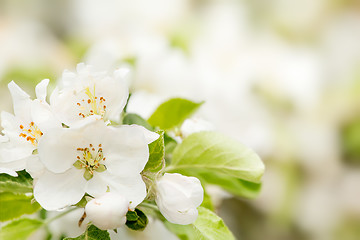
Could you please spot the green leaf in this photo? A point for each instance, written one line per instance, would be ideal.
(173, 112)
(233, 185)
(170, 144)
(156, 154)
(214, 153)
(15, 205)
(20, 184)
(207, 202)
(140, 223)
(132, 118)
(208, 226)
(20, 229)
(92, 233)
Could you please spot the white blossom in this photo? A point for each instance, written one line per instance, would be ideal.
(90, 93)
(107, 211)
(178, 197)
(23, 130)
(92, 157)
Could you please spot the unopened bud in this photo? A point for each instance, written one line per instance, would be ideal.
(108, 211)
(178, 197)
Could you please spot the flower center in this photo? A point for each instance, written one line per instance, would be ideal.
(90, 159)
(91, 105)
(31, 134)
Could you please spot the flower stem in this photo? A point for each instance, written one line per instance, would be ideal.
(59, 216)
(151, 209)
(149, 205)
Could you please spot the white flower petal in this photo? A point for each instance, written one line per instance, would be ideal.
(41, 90)
(131, 186)
(128, 151)
(43, 116)
(123, 72)
(172, 196)
(64, 106)
(57, 149)
(34, 166)
(189, 186)
(115, 91)
(13, 152)
(96, 186)
(17, 165)
(178, 197)
(149, 135)
(11, 125)
(21, 101)
(183, 218)
(8, 171)
(13, 147)
(3, 139)
(108, 211)
(71, 102)
(68, 78)
(55, 191)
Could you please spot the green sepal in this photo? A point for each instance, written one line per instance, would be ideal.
(88, 175)
(101, 168)
(82, 203)
(141, 220)
(131, 216)
(78, 164)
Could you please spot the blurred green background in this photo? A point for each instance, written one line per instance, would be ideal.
(281, 76)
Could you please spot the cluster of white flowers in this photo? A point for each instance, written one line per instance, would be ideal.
(74, 145)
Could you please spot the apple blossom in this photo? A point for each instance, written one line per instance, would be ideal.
(92, 157)
(107, 211)
(23, 130)
(178, 197)
(87, 93)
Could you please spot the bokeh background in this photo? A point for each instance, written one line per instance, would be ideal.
(281, 76)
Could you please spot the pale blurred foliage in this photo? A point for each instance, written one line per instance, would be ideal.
(281, 76)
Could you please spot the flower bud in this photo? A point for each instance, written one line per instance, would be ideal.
(178, 197)
(108, 211)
